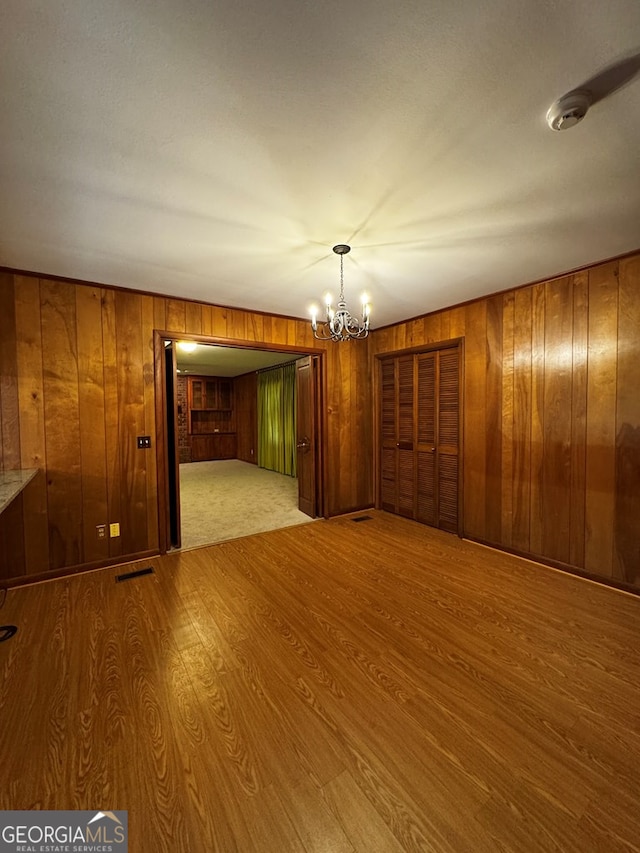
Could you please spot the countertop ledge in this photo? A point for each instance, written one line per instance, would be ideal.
(12, 483)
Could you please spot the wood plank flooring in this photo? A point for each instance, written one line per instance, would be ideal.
(374, 687)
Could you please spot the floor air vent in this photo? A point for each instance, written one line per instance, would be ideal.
(129, 575)
(363, 518)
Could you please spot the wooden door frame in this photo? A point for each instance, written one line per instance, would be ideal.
(315, 396)
(451, 343)
(161, 408)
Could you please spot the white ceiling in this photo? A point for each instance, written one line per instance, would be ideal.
(217, 149)
(208, 360)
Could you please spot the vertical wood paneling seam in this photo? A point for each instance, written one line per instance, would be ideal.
(587, 407)
(538, 337)
(586, 427)
(558, 407)
(507, 407)
(601, 418)
(82, 491)
(43, 392)
(105, 422)
(523, 482)
(493, 406)
(46, 435)
(530, 419)
(130, 493)
(58, 306)
(30, 376)
(627, 428)
(615, 399)
(545, 335)
(148, 403)
(10, 454)
(112, 449)
(578, 422)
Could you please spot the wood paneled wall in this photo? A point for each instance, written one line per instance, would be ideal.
(12, 556)
(77, 387)
(245, 391)
(551, 416)
(551, 413)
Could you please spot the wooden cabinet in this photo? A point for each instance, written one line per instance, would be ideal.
(210, 394)
(215, 446)
(420, 431)
(211, 418)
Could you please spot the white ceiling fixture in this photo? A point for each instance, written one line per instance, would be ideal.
(567, 111)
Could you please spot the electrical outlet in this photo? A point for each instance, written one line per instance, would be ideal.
(114, 530)
(101, 531)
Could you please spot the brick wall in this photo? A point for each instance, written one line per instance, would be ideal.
(184, 447)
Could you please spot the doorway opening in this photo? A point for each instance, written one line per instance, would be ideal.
(212, 485)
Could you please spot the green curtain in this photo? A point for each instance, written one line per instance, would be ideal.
(277, 419)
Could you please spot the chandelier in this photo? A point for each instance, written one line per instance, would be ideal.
(340, 325)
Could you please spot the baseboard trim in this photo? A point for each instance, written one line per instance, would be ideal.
(621, 586)
(360, 508)
(69, 571)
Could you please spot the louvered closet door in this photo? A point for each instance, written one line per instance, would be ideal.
(426, 443)
(389, 472)
(397, 456)
(420, 437)
(405, 454)
(448, 438)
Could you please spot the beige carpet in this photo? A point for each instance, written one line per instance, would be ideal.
(228, 498)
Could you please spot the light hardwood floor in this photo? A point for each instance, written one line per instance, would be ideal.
(375, 687)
